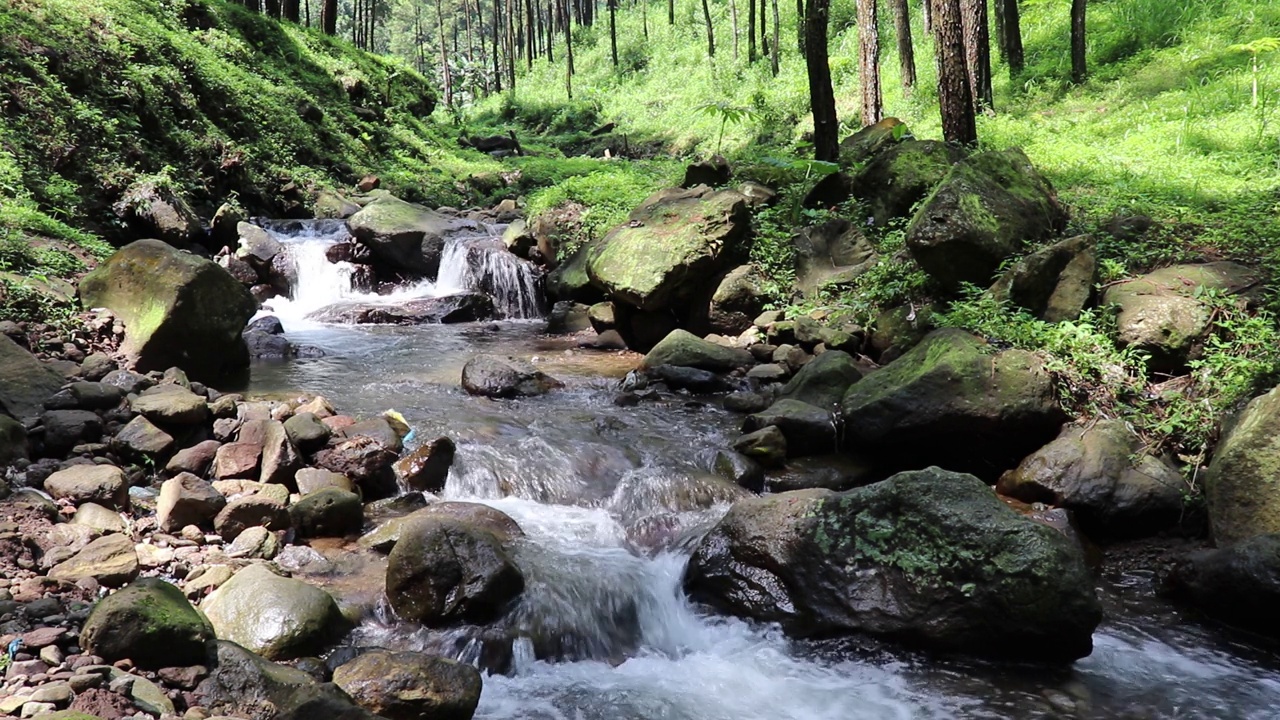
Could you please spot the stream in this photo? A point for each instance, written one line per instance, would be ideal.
(611, 499)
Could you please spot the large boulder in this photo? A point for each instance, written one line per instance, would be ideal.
(670, 246)
(983, 211)
(1238, 585)
(570, 281)
(1240, 484)
(402, 236)
(1165, 314)
(1054, 283)
(494, 377)
(901, 176)
(682, 348)
(101, 484)
(930, 557)
(736, 302)
(824, 380)
(242, 684)
(444, 571)
(411, 686)
(276, 617)
(491, 520)
(872, 140)
(152, 209)
(178, 309)
(149, 622)
(13, 441)
(953, 401)
(25, 382)
(1100, 473)
(830, 254)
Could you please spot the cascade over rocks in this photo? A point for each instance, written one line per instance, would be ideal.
(930, 557)
(402, 236)
(178, 309)
(1240, 484)
(952, 401)
(988, 205)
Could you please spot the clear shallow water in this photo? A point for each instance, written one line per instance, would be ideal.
(604, 496)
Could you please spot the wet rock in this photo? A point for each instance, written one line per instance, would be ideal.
(681, 348)
(569, 280)
(195, 460)
(243, 685)
(740, 469)
(150, 623)
(187, 500)
(444, 571)
(256, 245)
(493, 521)
(65, 429)
(494, 377)
(402, 236)
(823, 472)
(700, 382)
(988, 205)
(330, 512)
(951, 401)
(748, 402)
(767, 446)
(310, 480)
(110, 560)
(1100, 473)
(306, 432)
(275, 617)
(102, 484)
(831, 254)
(930, 557)
(142, 439)
(178, 309)
(364, 460)
(1238, 584)
(250, 511)
(427, 468)
(824, 381)
(463, 307)
(809, 430)
(1054, 283)
(410, 686)
(1240, 485)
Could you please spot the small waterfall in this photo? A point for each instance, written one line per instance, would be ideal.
(483, 264)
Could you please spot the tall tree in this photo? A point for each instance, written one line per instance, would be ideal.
(613, 31)
(568, 51)
(773, 48)
(446, 73)
(1012, 36)
(869, 62)
(751, 31)
(329, 17)
(733, 19)
(822, 99)
(711, 33)
(954, 99)
(1078, 69)
(291, 10)
(906, 51)
(671, 12)
(977, 46)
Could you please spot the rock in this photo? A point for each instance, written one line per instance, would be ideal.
(384, 537)
(141, 439)
(1100, 473)
(640, 330)
(696, 381)
(1240, 483)
(243, 685)
(275, 617)
(25, 382)
(187, 500)
(830, 254)
(101, 484)
(757, 195)
(1238, 585)
(684, 349)
(150, 623)
(280, 458)
(256, 245)
(570, 281)
(237, 460)
(742, 470)
(330, 512)
(519, 239)
(195, 460)
(239, 269)
(330, 205)
(899, 329)
(223, 228)
(609, 340)
(444, 571)
(767, 446)
(129, 382)
(462, 307)
(365, 461)
(310, 480)
(872, 140)
(154, 210)
(13, 441)
(410, 685)
(824, 381)
(737, 300)
(427, 468)
(255, 542)
(178, 309)
(901, 176)
(171, 406)
(567, 317)
(317, 406)
(929, 557)
(110, 560)
(380, 429)
(86, 396)
(953, 402)
(1163, 314)
(986, 207)
(263, 346)
(1054, 283)
(64, 429)
(249, 511)
(825, 472)
(602, 317)
(809, 430)
(306, 432)
(148, 697)
(99, 519)
(713, 173)
(675, 237)
(494, 377)
(401, 235)
(96, 366)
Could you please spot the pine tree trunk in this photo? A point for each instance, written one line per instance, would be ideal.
(711, 35)
(568, 52)
(273, 8)
(977, 46)
(733, 19)
(644, 17)
(800, 28)
(1013, 37)
(928, 16)
(613, 31)
(329, 17)
(906, 50)
(869, 62)
(1002, 38)
(530, 42)
(494, 43)
(291, 10)
(751, 31)
(671, 12)
(446, 73)
(773, 55)
(822, 99)
(954, 99)
(1078, 67)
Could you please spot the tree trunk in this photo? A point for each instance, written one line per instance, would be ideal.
(446, 73)
(494, 43)
(764, 28)
(977, 46)
(954, 100)
(906, 51)
(751, 31)
(671, 12)
(273, 8)
(822, 99)
(613, 31)
(711, 35)
(530, 41)
(868, 62)
(644, 17)
(800, 28)
(329, 17)
(1078, 68)
(928, 16)
(1013, 37)
(773, 55)
(733, 19)
(1002, 44)
(291, 10)
(568, 52)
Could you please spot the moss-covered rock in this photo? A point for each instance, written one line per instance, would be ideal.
(983, 211)
(824, 380)
(681, 348)
(901, 176)
(277, 617)
(242, 684)
(871, 140)
(1054, 283)
(1242, 484)
(737, 300)
(670, 247)
(931, 557)
(149, 622)
(411, 686)
(954, 401)
(178, 309)
(809, 430)
(402, 236)
(569, 280)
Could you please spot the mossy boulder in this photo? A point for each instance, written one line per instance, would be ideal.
(988, 205)
(569, 280)
(1242, 484)
(955, 401)
(276, 617)
(411, 686)
(809, 429)
(930, 557)
(153, 209)
(831, 254)
(670, 247)
(824, 380)
(1054, 283)
(901, 176)
(244, 685)
(178, 309)
(402, 236)
(1166, 314)
(737, 300)
(149, 622)
(681, 348)
(871, 140)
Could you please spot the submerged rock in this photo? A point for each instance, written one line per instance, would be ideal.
(928, 557)
(463, 307)
(494, 377)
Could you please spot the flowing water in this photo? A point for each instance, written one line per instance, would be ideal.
(611, 498)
